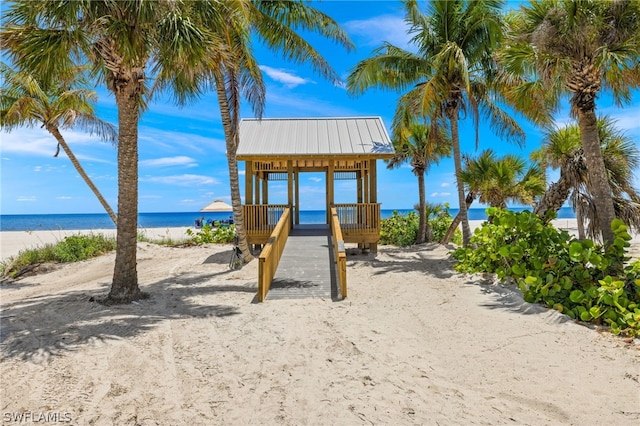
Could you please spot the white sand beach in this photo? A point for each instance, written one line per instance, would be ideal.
(414, 343)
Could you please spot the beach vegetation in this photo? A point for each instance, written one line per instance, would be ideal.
(401, 229)
(497, 180)
(582, 279)
(577, 49)
(421, 145)
(450, 74)
(72, 248)
(211, 234)
(57, 105)
(562, 149)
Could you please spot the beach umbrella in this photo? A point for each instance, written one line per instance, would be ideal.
(217, 206)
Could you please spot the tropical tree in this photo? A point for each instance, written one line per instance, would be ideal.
(126, 44)
(234, 71)
(450, 73)
(497, 181)
(579, 48)
(421, 146)
(562, 149)
(24, 102)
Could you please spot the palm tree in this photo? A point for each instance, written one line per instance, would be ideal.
(562, 150)
(275, 24)
(125, 43)
(422, 146)
(24, 102)
(449, 76)
(579, 47)
(496, 181)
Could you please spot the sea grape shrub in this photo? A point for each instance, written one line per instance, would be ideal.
(209, 234)
(402, 230)
(578, 278)
(399, 230)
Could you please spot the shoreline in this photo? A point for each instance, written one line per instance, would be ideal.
(12, 242)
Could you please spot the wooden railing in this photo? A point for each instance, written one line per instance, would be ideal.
(260, 220)
(339, 252)
(271, 253)
(359, 222)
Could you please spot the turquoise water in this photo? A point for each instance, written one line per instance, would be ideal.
(38, 222)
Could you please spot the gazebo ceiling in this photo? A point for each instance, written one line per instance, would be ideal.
(313, 141)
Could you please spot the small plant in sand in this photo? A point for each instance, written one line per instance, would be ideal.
(581, 279)
(209, 234)
(72, 248)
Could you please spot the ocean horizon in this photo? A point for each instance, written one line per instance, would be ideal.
(78, 221)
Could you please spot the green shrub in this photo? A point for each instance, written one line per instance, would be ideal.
(578, 278)
(71, 249)
(209, 234)
(440, 219)
(399, 230)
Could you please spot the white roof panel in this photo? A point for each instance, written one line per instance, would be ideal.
(314, 136)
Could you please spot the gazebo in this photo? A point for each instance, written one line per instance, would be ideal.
(344, 148)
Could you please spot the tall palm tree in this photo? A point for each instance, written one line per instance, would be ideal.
(275, 23)
(578, 48)
(24, 102)
(126, 44)
(562, 149)
(421, 146)
(449, 76)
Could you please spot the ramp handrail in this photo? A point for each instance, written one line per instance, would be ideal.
(271, 253)
(339, 252)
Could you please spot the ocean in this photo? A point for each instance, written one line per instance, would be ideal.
(45, 222)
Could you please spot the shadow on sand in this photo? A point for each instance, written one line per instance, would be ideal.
(37, 328)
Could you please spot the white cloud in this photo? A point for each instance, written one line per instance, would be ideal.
(180, 160)
(389, 28)
(315, 179)
(63, 197)
(182, 180)
(283, 76)
(440, 194)
(444, 184)
(154, 140)
(27, 198)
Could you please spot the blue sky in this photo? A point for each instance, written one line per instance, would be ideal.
(182, 151)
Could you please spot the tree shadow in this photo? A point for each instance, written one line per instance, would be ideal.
(38, 328)
(426, 259)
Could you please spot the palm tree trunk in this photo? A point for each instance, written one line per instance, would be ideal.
(554, 197)
(471, 196)
(124, 287)
(232, 139)
(599, 181)
(457, 161)
(422, 226)
(56, 134)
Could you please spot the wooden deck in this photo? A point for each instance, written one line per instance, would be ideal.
(307, 268)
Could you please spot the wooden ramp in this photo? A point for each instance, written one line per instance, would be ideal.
(306, 268)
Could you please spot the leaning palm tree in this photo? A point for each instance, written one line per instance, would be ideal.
(562, 149)
(234, 71)
(25, 102)
(421, 146)
(126, 44)
(578, 48)
(449, 76)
